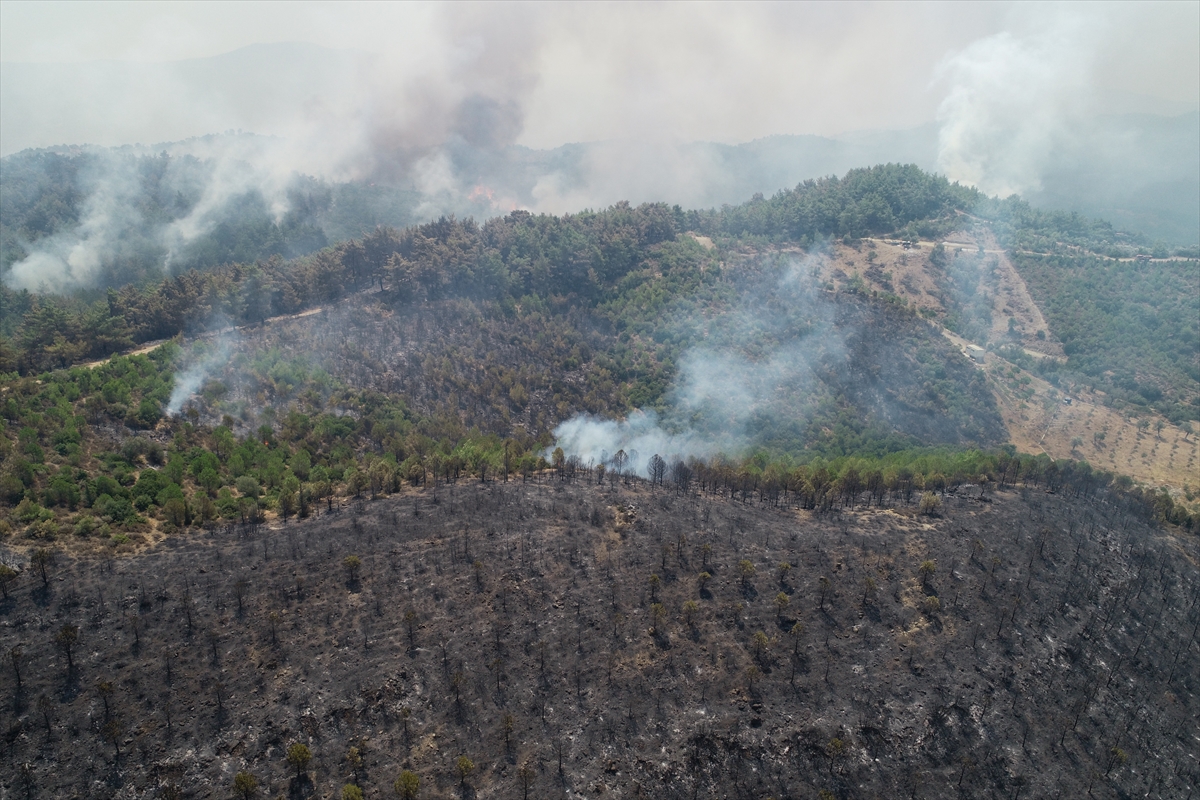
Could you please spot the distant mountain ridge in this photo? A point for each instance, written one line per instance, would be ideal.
(1141, 171)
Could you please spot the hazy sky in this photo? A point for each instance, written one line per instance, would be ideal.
(592, 71)
(430, 96)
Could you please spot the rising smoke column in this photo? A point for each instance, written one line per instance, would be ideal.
(196, 180)
(74, 257)
(207, 357)
(765, 349)
(1012, 100)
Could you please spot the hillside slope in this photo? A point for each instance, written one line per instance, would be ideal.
(767, 332)
(1041, 418)
(562, 638)
(973, 289)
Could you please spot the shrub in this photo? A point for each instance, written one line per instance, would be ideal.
(407, 785)
(298, 755)
(245, 785)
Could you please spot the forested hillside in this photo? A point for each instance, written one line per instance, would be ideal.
(140, 216)
(1132, 327)
(456, 348)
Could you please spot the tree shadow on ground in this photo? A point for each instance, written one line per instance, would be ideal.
(300, 787)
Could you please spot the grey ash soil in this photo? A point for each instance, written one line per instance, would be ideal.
(1060, 659)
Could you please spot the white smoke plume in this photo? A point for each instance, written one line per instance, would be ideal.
(757, 360)
(1014, 100)
(639, 436)
(240, 165)
(71, 258)
(214, 170)
(207, 356)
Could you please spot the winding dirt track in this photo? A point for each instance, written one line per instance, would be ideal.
(149, 346)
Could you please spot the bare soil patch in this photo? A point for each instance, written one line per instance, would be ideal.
(1039, 420)
(894, 268)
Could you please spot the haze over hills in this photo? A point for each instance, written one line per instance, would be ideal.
(68, 207)
(415, 445)
(1139, 172)
(252, 88)
(320, 110)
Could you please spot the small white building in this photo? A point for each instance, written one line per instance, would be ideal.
(977, 353)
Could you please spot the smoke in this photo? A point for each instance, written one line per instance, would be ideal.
(239, 166)
(756, 369)
(447, 103)
(209, 356)
(638, 436)
(72, 257)
(1013, 101)
(195, 185)
(607, 172)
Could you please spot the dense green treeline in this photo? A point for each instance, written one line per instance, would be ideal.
(904, 201)
(66, 473)
(878, 200)
(66, 476)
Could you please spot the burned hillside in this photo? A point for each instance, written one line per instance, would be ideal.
(833, 373)
(622, 640)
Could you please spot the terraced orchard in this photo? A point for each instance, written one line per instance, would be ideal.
(554, 639)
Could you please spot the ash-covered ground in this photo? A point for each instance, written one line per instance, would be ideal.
(574, 639)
